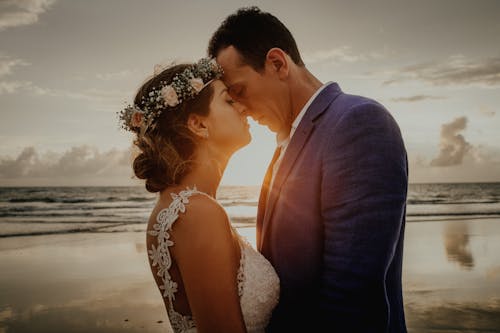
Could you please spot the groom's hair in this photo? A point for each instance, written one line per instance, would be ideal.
(253, 33)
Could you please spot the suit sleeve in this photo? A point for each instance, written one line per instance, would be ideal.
(363, 196)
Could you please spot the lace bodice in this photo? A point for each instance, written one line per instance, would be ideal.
(258, 283)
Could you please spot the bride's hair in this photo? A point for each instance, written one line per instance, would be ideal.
(166, 150)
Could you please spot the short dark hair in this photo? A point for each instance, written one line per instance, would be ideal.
(253, 33)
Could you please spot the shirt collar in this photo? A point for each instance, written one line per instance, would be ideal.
(299, 117)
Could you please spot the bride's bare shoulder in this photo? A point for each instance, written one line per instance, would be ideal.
(202, 213)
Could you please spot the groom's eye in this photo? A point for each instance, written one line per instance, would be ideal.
(236, 91)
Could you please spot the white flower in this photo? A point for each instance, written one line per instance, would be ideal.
(197, 84)
(136, 118)
(169, 96)
(214, 64)
(170, 288)
(155, 255)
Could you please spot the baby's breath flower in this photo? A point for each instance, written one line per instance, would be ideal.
(184, 86)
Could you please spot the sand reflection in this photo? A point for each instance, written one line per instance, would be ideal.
(454, 317)
(456, 243)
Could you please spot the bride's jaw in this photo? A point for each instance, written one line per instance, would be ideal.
(208, 167)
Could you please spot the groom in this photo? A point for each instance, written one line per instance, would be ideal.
(331, 213)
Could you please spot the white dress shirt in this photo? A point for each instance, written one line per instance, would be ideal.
(284, 143)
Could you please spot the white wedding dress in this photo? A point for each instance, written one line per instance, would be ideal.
(258, 283)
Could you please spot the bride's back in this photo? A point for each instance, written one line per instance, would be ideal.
(182, 232)
(181, 303)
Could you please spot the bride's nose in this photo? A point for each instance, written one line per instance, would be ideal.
(242, 110)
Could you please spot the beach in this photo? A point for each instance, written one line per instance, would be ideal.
(98, 280)
(82, 282)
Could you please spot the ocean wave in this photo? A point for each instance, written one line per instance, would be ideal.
(233, 203)
(58, 214)
(90, 229)
(67, 208)
(76, 200)
(472, 213)
(448, 202)
(240, 220)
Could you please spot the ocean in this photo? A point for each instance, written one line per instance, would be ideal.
(84, 267)
(54, 210)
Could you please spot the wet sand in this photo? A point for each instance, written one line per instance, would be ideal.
(85, 282)
(101, 282)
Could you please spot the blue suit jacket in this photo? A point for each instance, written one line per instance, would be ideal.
(334, 224)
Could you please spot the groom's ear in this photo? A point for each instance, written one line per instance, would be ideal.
(197, 125)
(277, 60)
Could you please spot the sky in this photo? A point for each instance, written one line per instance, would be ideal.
(67, 67)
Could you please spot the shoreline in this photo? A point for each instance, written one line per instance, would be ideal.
(101, 281)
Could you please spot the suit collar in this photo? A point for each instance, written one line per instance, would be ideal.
(297, 142)
(324, 98)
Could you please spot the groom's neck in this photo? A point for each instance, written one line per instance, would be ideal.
(302, 87)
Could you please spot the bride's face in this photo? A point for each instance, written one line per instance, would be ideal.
(228, 126)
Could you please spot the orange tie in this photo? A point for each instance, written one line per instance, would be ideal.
(269, 173)
(264, 193)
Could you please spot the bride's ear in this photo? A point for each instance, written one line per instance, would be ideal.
(198, 125)
(277, 60)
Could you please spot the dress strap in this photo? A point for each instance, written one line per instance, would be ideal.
(160, 254)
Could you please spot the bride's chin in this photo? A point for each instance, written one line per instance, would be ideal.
(244, 140)
(248, 138)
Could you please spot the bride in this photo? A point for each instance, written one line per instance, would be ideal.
(186, 129)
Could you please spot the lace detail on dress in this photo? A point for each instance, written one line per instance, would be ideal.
(160, 255)
(260, 288)
(258, 283)
(240, 278)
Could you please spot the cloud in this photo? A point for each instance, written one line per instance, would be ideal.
(416, 98)
(457, 160)
(456, 70)
(115, 75)
(108, 96)
(453, 144)
(83, 164)
(479, 164)
(486, 111)
(15, 13)
(113, 97)
(337, 55)
(7, 64)
(10, 87)
(109, 99)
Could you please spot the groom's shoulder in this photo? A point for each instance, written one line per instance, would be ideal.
(347, 101)
(347, 104)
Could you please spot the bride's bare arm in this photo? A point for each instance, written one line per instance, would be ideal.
(208, 257)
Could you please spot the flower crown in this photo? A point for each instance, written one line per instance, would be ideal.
(184, 86)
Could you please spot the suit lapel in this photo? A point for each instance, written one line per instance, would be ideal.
(299, 139)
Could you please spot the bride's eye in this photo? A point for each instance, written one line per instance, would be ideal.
(230, 101)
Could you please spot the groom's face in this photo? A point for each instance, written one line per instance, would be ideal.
(262, 94)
